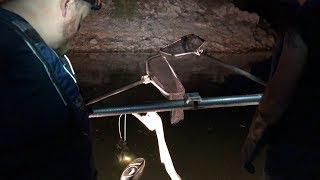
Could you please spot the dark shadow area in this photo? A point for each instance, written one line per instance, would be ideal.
(237, 84)
(277, 13)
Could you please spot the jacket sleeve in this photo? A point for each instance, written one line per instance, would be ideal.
(277, 95)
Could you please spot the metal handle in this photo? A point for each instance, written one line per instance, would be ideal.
(116, 92)
(237, 70)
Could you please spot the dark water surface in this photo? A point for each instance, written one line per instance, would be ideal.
(206, 145)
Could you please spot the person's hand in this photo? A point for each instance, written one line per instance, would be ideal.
(248, 155)
(256, 139)
(249, 167)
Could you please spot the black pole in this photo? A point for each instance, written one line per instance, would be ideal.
(204, 103)
(237, 70)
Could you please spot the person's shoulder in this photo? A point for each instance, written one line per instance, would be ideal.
(10, 39)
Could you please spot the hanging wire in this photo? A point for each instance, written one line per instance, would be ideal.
(119, 126)
(124, 127)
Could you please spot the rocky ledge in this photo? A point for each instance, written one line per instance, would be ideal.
(147, 25)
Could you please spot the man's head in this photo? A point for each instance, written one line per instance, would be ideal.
(71, 15)
(57, 21)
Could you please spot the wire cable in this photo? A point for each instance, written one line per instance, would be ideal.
(119, 126)
(124, 127)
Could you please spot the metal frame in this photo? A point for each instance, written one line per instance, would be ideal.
(199, 51)
(192, 101)
(145, 79)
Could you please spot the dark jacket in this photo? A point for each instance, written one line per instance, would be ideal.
(287, 119)
(44, 126)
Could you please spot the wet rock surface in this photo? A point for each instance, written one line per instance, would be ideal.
(145, 26)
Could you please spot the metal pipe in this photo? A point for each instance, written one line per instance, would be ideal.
(204, 103)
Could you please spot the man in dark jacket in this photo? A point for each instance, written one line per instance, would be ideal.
(287, 118)
(44, 125)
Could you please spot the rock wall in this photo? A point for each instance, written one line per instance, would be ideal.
(147, 25)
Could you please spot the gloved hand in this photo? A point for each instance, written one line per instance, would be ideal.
(151, 120)
(249, 167)
(247, 155)
(254, 142)
(154, 123)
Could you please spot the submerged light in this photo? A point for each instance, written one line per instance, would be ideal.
(124, 155)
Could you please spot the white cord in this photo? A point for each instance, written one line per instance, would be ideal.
(119, 126)
(124, 127)
(69, 62)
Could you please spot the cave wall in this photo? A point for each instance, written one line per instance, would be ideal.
(147, 25)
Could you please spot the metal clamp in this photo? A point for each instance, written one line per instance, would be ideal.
(194, 98)
(146, 79)
(198, 52)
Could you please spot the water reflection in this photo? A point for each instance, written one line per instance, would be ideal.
(99, 73)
